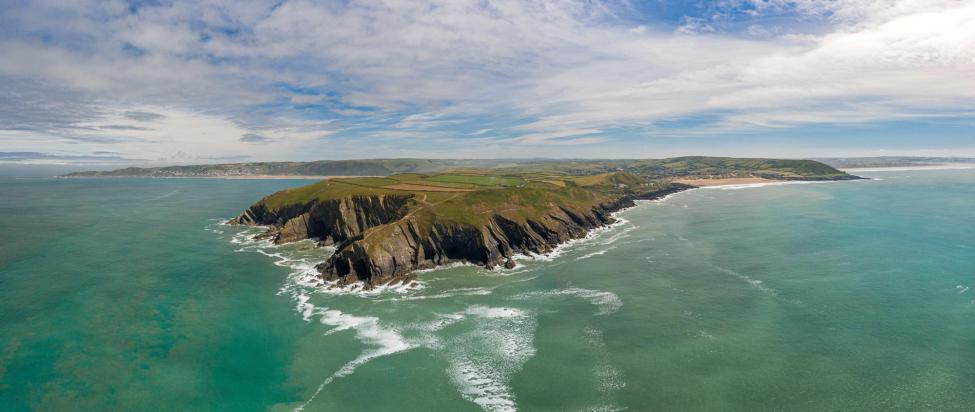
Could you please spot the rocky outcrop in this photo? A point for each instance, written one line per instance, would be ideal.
(379, 241)
(331, 221)
(392, 253)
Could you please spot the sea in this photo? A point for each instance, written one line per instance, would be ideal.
(130, 294)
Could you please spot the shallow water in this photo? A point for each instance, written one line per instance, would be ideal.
(127, 294)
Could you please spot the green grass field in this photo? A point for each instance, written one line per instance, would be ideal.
(478, 180)
(475, 197)
(472, 198)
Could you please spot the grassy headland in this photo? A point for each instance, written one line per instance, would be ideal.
(386, 227)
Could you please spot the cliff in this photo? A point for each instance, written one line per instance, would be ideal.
(385, 230)
(331, 221)
(393, 252)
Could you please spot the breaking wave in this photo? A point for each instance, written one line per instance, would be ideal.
(302, 257)
(380, 340)
(755, 283)
(484, 346)
(449, 293)
(483, 360)
(609, 378)
(606, 303)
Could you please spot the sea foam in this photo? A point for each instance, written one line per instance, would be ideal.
(302, 257)
(483, 360)
(609, 378)
(755, 283)
(380, 340)
(593, 235)
(606, 303)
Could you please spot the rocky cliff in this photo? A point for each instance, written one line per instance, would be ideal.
(331, 221)
(381, 239)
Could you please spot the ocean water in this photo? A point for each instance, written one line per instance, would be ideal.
(128, 294)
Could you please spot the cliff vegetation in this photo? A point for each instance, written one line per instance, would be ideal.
(385, 228)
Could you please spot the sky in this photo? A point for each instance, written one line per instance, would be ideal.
(108, 82)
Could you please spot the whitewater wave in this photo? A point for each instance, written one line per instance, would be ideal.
(755, 283)
(449, 293)
(302, 257)
(483, 360)
(492, 345)
(380, 340)
(625, 232)
(163, 196)
(216, 226)
(663, 199)
(606, 303)
(609, 378)
(596, 253)
(593, 236)
(302, 282)
(606, 408)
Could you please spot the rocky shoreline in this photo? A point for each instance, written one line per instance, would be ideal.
(379, 241)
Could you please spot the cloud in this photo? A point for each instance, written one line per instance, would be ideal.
(122, 127)
(143, 116)
(255, 138)
(215, 77)
(561, 137)
(53, 158)
(20, 155)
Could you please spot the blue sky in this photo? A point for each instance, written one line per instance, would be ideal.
(150, 82)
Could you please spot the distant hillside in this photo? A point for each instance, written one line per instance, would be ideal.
(367, 167)
(703, 166)
(893, 161)
(696, 166)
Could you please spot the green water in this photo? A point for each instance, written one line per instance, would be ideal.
(126, 294)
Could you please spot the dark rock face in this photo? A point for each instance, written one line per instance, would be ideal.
(331, 221)
(408, 247)
(392, 253)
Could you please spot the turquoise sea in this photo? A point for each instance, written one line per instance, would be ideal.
(128, 295)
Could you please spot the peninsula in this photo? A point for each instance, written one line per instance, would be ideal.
(383, 229)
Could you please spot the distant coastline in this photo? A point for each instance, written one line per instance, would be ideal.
(728, 181)
(229, 177)
(885, 162)
(385, 229)
(946, 166)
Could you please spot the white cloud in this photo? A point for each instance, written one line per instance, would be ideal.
(536, 72)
